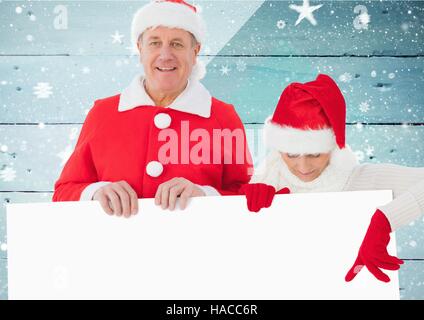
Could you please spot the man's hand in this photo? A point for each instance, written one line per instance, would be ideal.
(373, 251)
(118, 198)
(168, 192)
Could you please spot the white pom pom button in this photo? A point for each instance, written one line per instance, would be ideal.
(154, 169)
(162, 120)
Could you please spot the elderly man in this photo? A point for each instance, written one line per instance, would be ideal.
(164, 136)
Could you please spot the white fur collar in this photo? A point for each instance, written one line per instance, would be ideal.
(275, 172)
(195, 98)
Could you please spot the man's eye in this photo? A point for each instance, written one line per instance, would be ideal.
(177, 45)
(154, 43)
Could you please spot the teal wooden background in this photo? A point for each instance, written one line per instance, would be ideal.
(253, 51)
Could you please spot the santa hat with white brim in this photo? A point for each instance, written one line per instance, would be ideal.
(310, 118)
(172, 14)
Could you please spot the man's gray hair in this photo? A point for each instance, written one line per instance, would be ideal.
(194, 41)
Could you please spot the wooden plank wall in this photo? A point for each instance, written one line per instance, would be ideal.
(253, 50)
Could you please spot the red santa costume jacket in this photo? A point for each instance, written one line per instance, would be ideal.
(121, 140)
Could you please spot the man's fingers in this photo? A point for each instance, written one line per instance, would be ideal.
(104, 202)
(164, 196)
(380, 275)
(115, 202)
(124, 198)
(158, 195)
(174, 192)
(185, 195)
(354, 270)
(133, 197)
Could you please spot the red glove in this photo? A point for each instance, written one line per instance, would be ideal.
(373, 251)
(260, 195)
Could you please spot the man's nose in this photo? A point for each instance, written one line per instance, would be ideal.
(165, 52)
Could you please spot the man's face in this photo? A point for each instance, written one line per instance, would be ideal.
(168, 56)
(306, 167)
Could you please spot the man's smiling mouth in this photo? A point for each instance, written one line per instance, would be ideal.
(166, 69)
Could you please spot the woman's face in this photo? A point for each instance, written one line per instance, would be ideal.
(306, 167)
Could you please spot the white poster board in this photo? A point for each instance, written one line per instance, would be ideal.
(300, 248)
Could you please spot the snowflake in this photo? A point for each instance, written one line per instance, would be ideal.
(43, 90)
(7, 174)
(86, 70)
(281, 24)
(369, 151)
(241, 65)
(359, 155)
(225, 70)
(117, 37)
(65, 154)
(345, 77)
(364, 106)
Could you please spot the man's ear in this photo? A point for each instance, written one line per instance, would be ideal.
(139, 47)
(197, 49)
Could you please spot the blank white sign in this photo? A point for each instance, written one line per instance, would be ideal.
(300, 248)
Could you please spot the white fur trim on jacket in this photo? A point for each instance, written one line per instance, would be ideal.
(296, 141)
(167, 14)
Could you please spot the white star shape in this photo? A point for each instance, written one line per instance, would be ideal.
(117, 38)
(225, 70)
(305, 11)
(369, 151)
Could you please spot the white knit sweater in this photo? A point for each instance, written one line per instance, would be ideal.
(406, 183)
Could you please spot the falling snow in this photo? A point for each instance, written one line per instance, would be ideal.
(241, 65)
(7, 174)
(43, 90)
(345, 77)
(364, 107)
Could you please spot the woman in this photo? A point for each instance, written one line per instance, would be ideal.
(306, 136)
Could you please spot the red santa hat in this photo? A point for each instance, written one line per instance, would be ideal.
(172, 14)
(310, 118)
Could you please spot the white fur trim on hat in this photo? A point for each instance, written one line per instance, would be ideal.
(167, 14)
(296, 141)
(343, 159)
